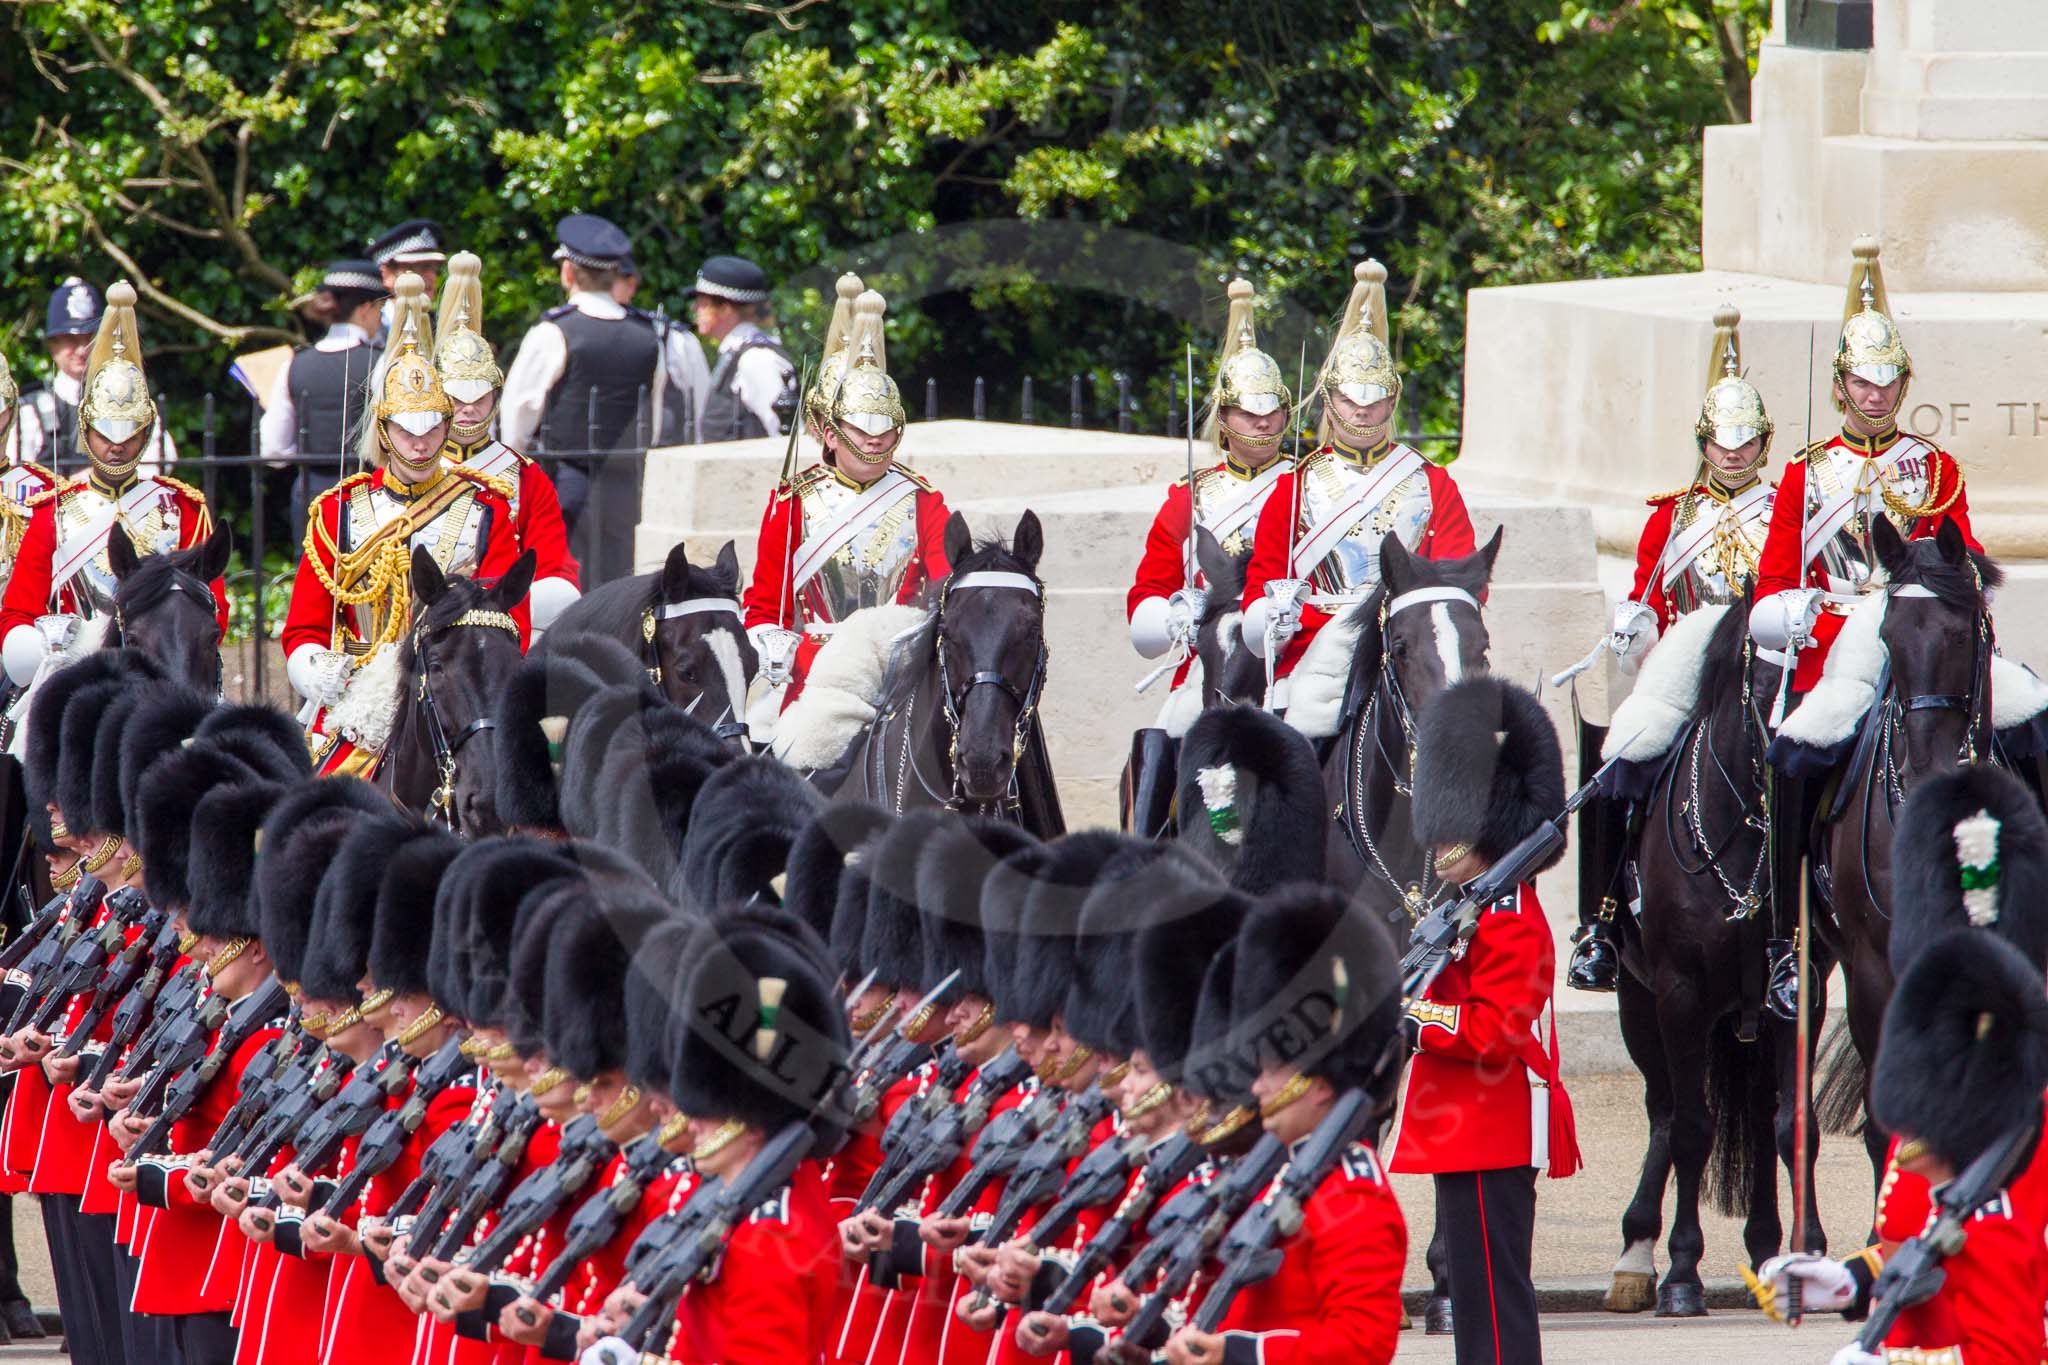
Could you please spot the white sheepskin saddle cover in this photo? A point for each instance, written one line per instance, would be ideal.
(843, 688)
(367, 711)
(1650, 719)
(1184, 703)
(1315, 695)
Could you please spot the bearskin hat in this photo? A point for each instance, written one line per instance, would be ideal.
(1488, 769)
(262, 736)
(589, 952)
(1317, 986)
(1039, 914)
(763, 1036)
(746, 817)
(1142, 884)
(1994, 815)
(523, 1011)
(106, 813)
(950, 870)
(345, 907)
(554, 681)
(1212, 1068)
(77, 744)
(652, 774)
(659, 973)
(169, 716)
(300, 838)
(823, 861)
(46, 711)
(162, 816)
(892, 937)
(1251, 798)
(476, 910)
(1003, 892)
(608, 717)
(1171, 959)
(226, 837)
(1964, 1052)
(402, 936)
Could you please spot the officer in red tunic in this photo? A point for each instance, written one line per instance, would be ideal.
(855, 530)
(1484, 1110)
(1818, 560)
(21, 479)
(352, 600)
(61, 588)
(470, 375)
(1317, 547)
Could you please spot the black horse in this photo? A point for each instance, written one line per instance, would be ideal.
(958, 721)
(461, 647)
(684, 621)
(164, 607)
(1684, 1002)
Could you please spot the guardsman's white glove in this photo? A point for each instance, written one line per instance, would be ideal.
(1633, 632)
(1826, 1286)
(610, 1351)
(321, 676)
(777, 648)
(1785, 620)
(1852, 1354)
(1273, 620)
(1160, 623)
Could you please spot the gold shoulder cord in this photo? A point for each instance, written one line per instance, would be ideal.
(382, 573)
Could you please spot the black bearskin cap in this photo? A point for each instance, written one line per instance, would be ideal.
(262, 736)
(1964, 1052)
(300, 838)
(587, 964)
(1488, 769)
(659, 972)
(555, 680)
(402, 938)
(226, 828)
(77, 744)
(1318, 986)
(169, 717)
(892, 932)
(742, 1053)
(1131, 892)
(1927, 887)
(46, 712)
(821, 863)
(950, 870)
(523, 1009)
(1277, 817)
(476, 911)
(746, 817)
(107, 813)
(162, 817)
(609, 717)
(651, 776)
(1003, 892)
(1171, 959)
(345, 907)
(1039, 917)
(1211, 1068)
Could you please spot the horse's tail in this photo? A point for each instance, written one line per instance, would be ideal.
(1732, 1074)
(1838, 1103)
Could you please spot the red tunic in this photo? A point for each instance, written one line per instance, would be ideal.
(1988, 1310)
(1649, 584)
(771, 1302)
(1780, 567)
(537, 513)
(31, 591)
(1163, 567)
(1483, 1077)
(1447, 535)
(865, 1329)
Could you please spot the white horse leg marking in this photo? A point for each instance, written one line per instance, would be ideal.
(726, 650)
(1446, 641)
(1639, 1258)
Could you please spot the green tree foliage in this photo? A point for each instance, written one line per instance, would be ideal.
(218, 151)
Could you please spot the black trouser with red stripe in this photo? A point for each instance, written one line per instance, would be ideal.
(1489, 1224)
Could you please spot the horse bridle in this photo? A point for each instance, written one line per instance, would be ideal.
(190, 584)
(1027, 697)
(441, 805)
(669, 611)
(1969, 703)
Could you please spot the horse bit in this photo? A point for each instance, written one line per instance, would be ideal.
(441, 805)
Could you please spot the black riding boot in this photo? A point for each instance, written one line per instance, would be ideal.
(1791, 817)
(1781, 982)
(1596, 958)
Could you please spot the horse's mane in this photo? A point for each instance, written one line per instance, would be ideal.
(154, 577)
(1721, 668)
(913, 654)
(461, 595)
(1957, 584)
(1367, 656)
(612, 609)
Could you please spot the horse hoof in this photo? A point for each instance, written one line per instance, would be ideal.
(1436, 1316)
(1631, 1291)
(1407, 1323)
(1681, 1301)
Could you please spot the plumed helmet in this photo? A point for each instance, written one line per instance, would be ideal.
(467, 364)
(1360, 365)
(864, 397)
(1870, 346)
(1732, 414)
(1246, 377)
(116, 401)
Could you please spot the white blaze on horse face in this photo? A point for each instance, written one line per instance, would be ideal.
(726, 650)
(1447, 647)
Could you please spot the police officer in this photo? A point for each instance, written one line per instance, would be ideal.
(415, 245)
(573, 396)
(317, 401)
(751, 391)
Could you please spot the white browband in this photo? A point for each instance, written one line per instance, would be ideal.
(1419, 596)
(994, 578)
(669, 611)
(1911, 590)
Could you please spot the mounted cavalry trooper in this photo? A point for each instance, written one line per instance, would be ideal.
(352, 600)
(1699, 548)
(1317, 548)
(858, 529)
(470, 375)
(60, 593)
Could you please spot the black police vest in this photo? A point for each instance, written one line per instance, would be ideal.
(59, 421)
(610, 362)
(330, 390)
(726, 417)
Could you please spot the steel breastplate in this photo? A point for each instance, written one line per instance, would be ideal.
(1725, 566)
(1329, 482)
(454, 538)
(869, 569)
(1221, 507)
(1849, 559)
(154, 531)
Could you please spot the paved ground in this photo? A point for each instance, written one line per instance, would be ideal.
(1605, 1339)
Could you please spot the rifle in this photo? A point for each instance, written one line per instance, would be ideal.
(657, 1237)
(184, 992)
(904, 1135)
(540, 1196)
(250, 1013)
(1169, 1163)
(352, 1109)
(510, 1110)
(1913, 1274)
(486, 1186)
(386, 1135)
(258, 1089)
(46, 959)
(1245, 1180)
(1043, 1169)
(117, 979)
(305, 1088)
(86, 959)
(181, 1047)
(998, 1150)
(41, 922)
(447, 1149)
(599, 1220)
(1250, 1252)
(135, 1006)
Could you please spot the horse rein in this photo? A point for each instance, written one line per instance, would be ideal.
(732, 727)
(1969, 703)
(441, 805)
(1026, 698)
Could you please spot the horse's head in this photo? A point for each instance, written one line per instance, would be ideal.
(164, 607)
(1938, 637)
(462, 647)
(1434, 634)
(1231, 674)
(990, 645)
(705, 658)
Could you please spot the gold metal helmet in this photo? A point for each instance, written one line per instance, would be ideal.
(409, 391)
(1733, 414)
(1246, 377)
(865, 397)
(467, 364)
(1360, 365)
(1870, 347)
(832, 367)
(116, 402)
